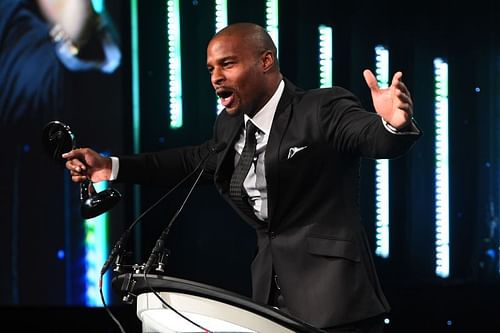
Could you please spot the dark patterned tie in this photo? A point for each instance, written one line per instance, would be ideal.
(236, 191)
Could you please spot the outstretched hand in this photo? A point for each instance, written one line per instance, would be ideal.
(394, 103)
(85, 163)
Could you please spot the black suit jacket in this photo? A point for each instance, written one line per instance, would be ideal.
(314, 238)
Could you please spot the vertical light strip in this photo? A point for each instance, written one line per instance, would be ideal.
(382, 167)
(66, 254)
(98, 5)
(174, 63)
(134, 36)
(272, 21)
(220, 14)
(136, 112)
(96, 249)
(441, 169)
(220, 22)
(325, 56)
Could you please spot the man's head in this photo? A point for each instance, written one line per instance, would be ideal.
(243, 66)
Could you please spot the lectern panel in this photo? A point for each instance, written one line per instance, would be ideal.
(173, 305)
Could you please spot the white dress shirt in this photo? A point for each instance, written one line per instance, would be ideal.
(255, 182)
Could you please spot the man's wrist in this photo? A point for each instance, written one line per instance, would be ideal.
(408, 129)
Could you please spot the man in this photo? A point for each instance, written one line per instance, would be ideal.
(45, 47)
(313, 257)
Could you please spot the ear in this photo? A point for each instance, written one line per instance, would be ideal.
(267, 60)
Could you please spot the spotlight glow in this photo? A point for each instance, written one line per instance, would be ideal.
(325, 56)
(96, 249)
(441, 169)
(382, 167)
(272, 20)
(220, 14)
(220, 22)
(174, 63)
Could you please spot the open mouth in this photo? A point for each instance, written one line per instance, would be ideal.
(226, 96)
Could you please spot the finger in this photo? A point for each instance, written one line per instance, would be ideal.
(404, 98)
(74, 163)
(406, 107)
(78, 179)
(403, 88)
(78, 153)
(370, 79)
(77, 172)
(76, 167)
(71, 154)
(396, 79)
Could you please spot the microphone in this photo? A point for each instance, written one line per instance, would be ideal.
(159, 246)
(57, 138)
(119, 247)
(94, 204)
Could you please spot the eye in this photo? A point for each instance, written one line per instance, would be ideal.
(228, 64)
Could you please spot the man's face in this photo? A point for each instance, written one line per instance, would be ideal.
(237, 75)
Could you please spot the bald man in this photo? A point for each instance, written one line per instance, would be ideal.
(313, 259)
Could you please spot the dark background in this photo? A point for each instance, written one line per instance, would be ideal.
(208, 242)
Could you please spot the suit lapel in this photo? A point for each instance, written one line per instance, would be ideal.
(229, 131)
(278, 129)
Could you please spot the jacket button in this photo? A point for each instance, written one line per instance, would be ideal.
(272, 234)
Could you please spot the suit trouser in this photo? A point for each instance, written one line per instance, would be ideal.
(370, 325)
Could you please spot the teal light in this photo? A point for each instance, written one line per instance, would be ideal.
(220, 22)
(220, 14)
(325, 56)
(441, 169)
(96, 252)
(136, 111)
(134, 36)
(382, 167)
(272, 20)
(98, 5)
(174, 63)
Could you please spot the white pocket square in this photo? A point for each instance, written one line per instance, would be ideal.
(294, 150)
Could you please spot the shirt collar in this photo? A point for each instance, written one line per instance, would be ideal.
(263, 119)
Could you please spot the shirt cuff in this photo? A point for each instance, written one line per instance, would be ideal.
(410, 129)
(115, 164)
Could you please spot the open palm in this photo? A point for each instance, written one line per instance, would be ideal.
(394, 103)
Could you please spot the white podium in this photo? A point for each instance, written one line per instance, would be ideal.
(208, 307)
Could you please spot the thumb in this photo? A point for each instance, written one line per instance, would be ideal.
(370, 79)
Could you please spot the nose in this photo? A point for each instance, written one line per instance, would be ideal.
(217, 77)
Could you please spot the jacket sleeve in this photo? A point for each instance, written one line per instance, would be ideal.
(352, 129)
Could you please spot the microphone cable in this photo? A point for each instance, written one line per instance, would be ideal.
(110, 313)
(159, 247)
(119, 246)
